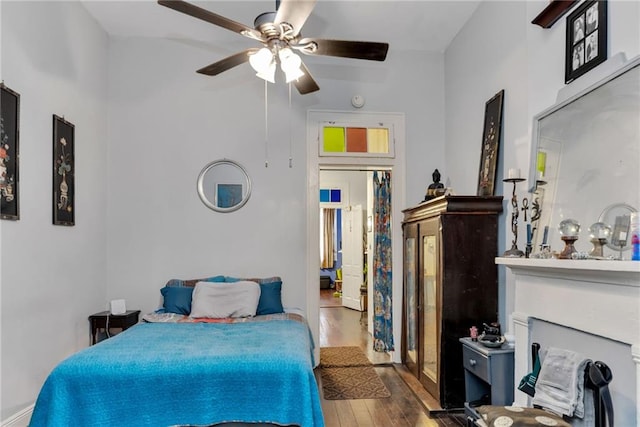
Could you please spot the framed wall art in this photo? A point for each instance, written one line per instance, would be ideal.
(9, 154)
(228, 195)
(490, 144)
(64, 168)
(586, 42)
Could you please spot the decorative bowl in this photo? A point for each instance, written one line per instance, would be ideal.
(492, 341)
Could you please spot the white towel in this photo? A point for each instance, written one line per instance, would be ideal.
(560, 385)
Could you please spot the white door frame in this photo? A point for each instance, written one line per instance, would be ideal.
(314, 163)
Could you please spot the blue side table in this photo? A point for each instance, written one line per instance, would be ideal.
(487, 372)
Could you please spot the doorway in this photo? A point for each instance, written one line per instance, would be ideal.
(316, 162)
(348, 248)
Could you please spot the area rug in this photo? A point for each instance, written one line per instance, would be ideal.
(354, 382)
(347, 373)
(338, 357)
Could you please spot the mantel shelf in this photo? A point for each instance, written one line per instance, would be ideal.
(625, 273)
(554, 11)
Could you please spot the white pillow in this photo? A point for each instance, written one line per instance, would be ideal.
(221, 299)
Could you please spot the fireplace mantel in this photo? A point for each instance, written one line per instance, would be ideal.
(598, 297)
(615, 272)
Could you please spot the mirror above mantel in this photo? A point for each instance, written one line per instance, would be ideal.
(585, 158)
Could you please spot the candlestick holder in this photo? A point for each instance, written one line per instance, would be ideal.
(599, 233)
(569, 231)
(514, 251)
(569, 248)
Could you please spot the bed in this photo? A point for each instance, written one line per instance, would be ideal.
(174, 369)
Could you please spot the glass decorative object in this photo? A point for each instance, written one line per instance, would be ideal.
(569, 230)
(600, 234)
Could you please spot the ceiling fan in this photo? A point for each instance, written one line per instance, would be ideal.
(280, 34)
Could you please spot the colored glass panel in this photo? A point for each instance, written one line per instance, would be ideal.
(325, 196)
(357, 140)
(333, 141)
(335, 196)
(378, 140)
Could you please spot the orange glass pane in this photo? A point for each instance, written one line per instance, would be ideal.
(356, 140)
(378, 140)
(333, 140)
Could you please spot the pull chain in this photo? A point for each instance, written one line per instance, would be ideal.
(290, 143)
(266, 127)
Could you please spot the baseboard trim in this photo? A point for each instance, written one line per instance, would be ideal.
(20, 418)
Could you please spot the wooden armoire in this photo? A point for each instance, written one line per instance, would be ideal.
(450, 284)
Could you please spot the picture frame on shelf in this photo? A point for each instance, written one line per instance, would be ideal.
(9, 153)
(586, 40)
(490, 145)
(64, 170)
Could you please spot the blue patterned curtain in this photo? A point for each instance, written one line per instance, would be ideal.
(382, 326)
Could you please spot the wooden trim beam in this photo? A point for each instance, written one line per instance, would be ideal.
(554, 11)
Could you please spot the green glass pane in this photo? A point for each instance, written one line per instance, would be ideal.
(333, 140)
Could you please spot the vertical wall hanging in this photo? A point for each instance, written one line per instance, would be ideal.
(490, 145)
(9, 155)
(64, 170)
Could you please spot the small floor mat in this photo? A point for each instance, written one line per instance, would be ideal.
(356, 382)
(335, 357)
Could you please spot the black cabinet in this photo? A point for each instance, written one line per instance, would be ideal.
(450, 284)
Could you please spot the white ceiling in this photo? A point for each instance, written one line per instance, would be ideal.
(425, 25)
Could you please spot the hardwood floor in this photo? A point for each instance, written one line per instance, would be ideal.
(341, 326)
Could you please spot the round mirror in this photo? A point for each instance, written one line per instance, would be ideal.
(224, 185)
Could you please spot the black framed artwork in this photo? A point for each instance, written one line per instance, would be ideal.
(9, 153)
(490, 144)
(586, 42)
(64, 168)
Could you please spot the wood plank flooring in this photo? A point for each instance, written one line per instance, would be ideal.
(341, 326)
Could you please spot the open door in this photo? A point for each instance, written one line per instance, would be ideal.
(352, 257)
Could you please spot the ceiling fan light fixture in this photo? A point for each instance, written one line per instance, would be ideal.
(262, 60)
(269, 73)
(290, 64)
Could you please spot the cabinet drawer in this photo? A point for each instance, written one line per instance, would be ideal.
(476, 363)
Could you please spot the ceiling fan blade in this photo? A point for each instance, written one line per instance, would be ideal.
(373, 51)
(227, 63)
(305, 84)
(295, 13)
(212, 18)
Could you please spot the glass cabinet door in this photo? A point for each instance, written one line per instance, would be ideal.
(429, 362)
(411, 299)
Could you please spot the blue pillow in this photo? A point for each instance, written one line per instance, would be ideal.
(177, 299)
(270, 294)
(270, 298)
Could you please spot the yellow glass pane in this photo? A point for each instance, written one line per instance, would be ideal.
(378, 140)
(333, 140)
(541, 163)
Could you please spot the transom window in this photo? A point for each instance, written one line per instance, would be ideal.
(373, 140)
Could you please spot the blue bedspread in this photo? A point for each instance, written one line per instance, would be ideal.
(160, 374)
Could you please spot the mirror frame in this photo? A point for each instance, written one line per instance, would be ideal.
(535, 134)
(533, 176)
(203, 196)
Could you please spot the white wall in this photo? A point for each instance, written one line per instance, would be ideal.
(139, 221)
(163, 122)
(167, 122)
(498, 49)
(53, 277)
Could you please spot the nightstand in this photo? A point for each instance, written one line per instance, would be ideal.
(487, 372)
(119, 321)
